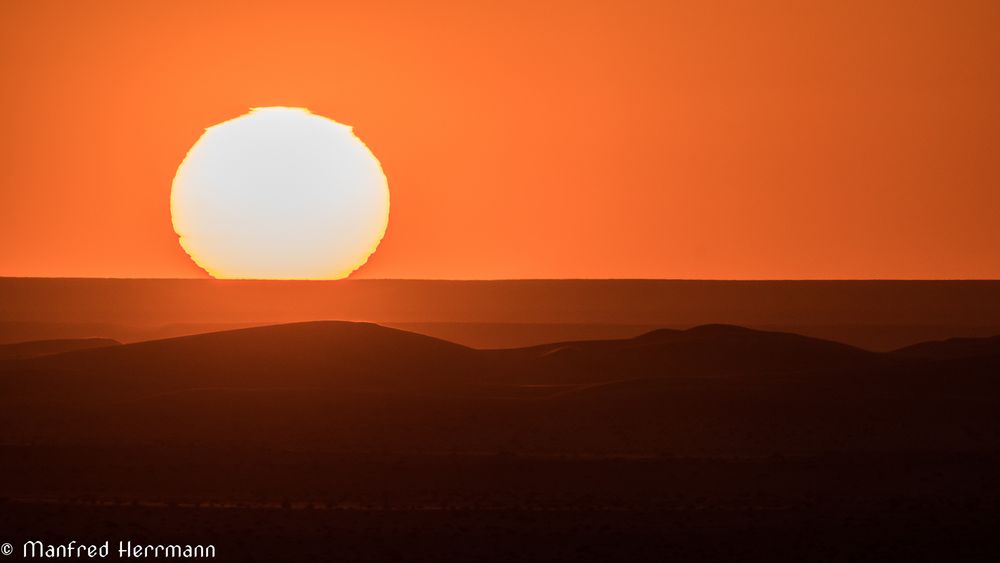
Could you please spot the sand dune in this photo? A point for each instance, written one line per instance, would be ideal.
(36, 348)
(878, 315)
(359, 386)
(952, 348)
(699, 351)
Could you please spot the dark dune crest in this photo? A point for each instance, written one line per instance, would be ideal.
(37, 348)
(878, 315)
(710, 348)
(952, 349)
(707, 350)
(311, 354)
(724, 332)
(286, 340)
(717, 329)
(362, 387)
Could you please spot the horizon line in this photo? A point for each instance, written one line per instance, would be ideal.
(595, 279)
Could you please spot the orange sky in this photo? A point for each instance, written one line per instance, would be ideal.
(530, 139)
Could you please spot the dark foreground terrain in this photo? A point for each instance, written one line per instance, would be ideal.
(506, 508)
(355, 442)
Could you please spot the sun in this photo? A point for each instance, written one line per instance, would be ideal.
(280, 193)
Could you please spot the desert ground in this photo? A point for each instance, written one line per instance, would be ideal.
(355, 441)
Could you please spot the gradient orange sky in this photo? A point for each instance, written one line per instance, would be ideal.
(529, 139)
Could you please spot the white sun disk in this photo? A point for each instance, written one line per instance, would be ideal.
(280, 193)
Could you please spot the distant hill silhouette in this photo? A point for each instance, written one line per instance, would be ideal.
(872, 314)
(952, 348)
(705, 350)
(314, 354)
(35, 348)
(362, 387)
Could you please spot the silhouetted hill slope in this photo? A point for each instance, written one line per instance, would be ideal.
(329, 340)
(952, 348)
(876, 315)
(35, 348)
(361, 387)
(705, 350)
(317, 354)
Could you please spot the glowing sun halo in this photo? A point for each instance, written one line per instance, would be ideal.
(280, 193)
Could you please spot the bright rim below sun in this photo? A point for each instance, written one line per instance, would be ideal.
(280, 193)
